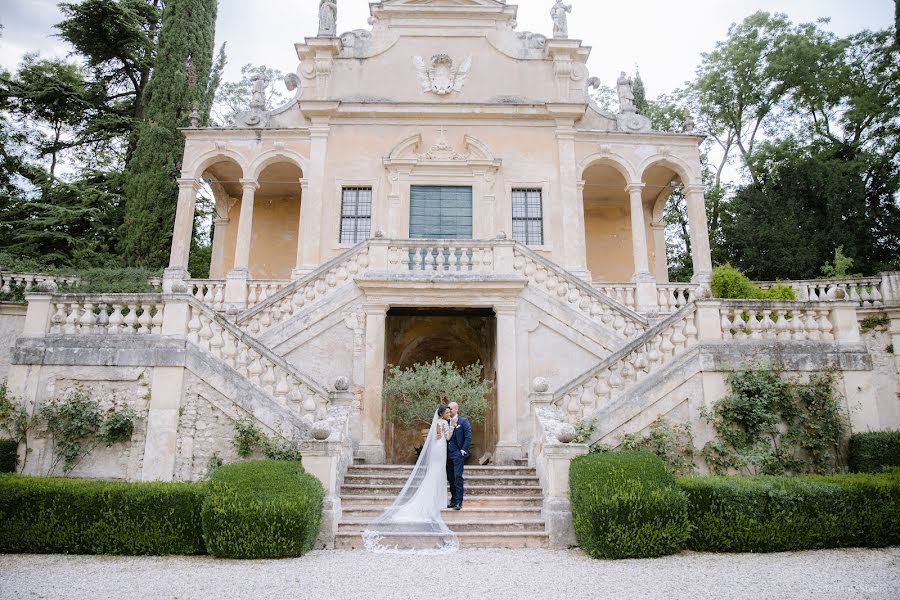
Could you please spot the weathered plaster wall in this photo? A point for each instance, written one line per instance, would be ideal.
(12, 319)
(884, 381)
(110, 386)
(273, 249)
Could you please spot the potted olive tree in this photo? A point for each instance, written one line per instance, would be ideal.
(414, 394)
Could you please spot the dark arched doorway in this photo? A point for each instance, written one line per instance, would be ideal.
(463, 336)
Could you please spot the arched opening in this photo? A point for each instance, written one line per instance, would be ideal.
(275, 224)
(463, 336)
(663, 190)
(607, 224)
(220, 190)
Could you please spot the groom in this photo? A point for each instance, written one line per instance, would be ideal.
(457, 451)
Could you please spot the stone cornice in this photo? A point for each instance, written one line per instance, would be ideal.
(441, 291)
(246, 133)
(685, 140)
(412, 110)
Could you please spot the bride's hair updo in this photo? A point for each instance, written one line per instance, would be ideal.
(441, 409)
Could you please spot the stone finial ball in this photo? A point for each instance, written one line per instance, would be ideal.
(341, 384)
(321, 432)
(48, 286)
(501, 235)
(379, 234)
(179, 287)
(566, 433)
(540, 385)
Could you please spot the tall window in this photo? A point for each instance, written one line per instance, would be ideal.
(528, 217)
(356, 214)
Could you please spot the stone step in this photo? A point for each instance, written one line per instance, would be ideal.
(461, 525)
(384, 500)
(345, 540)
(406, 470)
(487, 513)
(520, 462)
(470, 490)
(400, 479)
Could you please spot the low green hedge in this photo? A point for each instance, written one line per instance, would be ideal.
(54, 515)
(8, 456)
(626, 505)
(771, 514)
(872, 451)
(262, 509)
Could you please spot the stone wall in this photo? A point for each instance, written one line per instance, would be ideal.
(12, 319)
(110, 386)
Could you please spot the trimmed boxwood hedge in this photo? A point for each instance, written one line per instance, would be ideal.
(771, 514)
(626, 505)
(871, 451)
(8, 456)
(55, 515)
(262, 509)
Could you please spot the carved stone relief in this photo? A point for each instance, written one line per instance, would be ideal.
(441, 75)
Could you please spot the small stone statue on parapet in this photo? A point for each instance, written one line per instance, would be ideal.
(328, 18)
(560, 19)
(687, 124)
(258, 93)
(626, 94)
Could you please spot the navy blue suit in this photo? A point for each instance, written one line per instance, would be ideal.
(457, 451)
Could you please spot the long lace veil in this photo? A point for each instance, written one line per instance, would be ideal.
(413, 524)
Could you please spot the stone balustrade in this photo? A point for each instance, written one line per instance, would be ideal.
(29, 282)
(867, 291)
(210, 292)
(706, 321)
(294, 296)
(543, 274)
(454, 256)
(113, 314)
(774, 321)
(623, 293)
(657, 347)
(256, 363)
(672, 297)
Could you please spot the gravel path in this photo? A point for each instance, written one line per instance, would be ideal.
(481, 574)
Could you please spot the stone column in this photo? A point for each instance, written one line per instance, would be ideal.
(508, 447)
(299, 272)
(236, 282)
(312, 236)
(217, 263)
(661, 266)
(645, 292)
(571, 201)
(182, 233)
(700, 252)
(372, 445)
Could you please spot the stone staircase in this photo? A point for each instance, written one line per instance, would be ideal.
(502, 508)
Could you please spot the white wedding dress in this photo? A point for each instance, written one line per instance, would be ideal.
(413, 523)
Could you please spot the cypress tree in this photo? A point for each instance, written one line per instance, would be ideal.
(184, 74)
(640, 95)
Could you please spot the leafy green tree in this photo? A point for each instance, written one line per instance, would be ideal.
(640, 94)
(735, 89)
(120, 60)
(184, 76)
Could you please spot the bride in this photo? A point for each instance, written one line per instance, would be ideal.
(413, 524)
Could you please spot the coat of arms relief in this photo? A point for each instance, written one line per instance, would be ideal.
(440, 75)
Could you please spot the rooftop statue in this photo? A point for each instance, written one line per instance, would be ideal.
(560, 19)
(626, 94)
(328, 18)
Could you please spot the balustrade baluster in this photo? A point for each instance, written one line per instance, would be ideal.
(102, 325)
(87, 320)
(144, 320)
(825, 326)
(812, 325)
(206, 332)
(782, 327)
(157, 322)
(255, 369)
(116, 319)
(131, 319)
(215, 340)
(71, 326)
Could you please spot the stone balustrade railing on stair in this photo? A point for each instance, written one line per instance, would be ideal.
(435, 258)
(670, 296)
(599, 307)
(255, 362)
(297, 295)
(145, 314)
(28, 282)
(706, 321)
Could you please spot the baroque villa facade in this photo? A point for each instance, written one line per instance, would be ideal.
(440, 185)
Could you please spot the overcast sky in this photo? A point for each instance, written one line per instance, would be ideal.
(663, 37)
